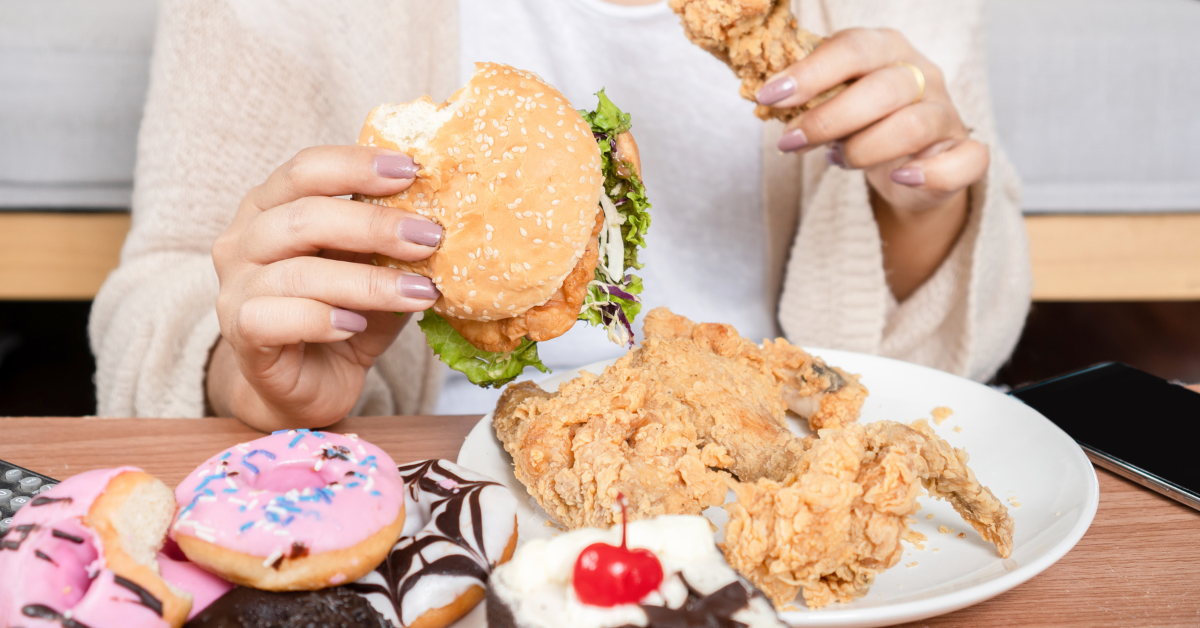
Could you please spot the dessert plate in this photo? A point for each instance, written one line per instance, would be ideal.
(1042, 476)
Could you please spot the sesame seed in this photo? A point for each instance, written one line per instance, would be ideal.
(549, 135)
(527, 266)
(549, 224)
(537, 241)
(550, 189)
(541, 128)
(555, 202)
(488, 236)
(471, 293)
(494, 278)
(528, 213)
(560, 123)
(570, 149)
(541, 146)
(481, 267)
(523, 232)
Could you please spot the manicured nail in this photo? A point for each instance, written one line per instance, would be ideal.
(792, 140)
(417, 287)
(346, 320)
(423, 232)
(835, 156)
(908, 176)
(776, 90)
(396, 167)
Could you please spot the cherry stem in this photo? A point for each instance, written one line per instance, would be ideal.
(624, 518)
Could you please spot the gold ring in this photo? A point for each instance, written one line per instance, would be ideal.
(919, 75)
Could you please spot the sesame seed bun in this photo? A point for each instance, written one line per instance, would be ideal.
(512, 173)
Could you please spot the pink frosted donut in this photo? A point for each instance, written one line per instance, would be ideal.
(294, 511)
(82, 554)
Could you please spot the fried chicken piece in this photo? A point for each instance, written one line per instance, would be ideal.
(578, 449)
(835, 524)
(544, 322)
(666, 424)
(824, 395)
(756, 38)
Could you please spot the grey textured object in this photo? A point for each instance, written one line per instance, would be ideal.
(1096, 101)
(73, 78)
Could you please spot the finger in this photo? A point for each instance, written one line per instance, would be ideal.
(848, 54)
(315, 223)
(335, 171)
(908, 131)
(874, 97)
(349, 286)
(946, 172)
(270, 321)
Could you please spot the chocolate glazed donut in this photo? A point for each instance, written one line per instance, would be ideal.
(469, 527)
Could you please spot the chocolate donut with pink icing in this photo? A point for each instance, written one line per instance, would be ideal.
(296, 510)
(82, 554)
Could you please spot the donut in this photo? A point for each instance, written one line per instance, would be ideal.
(294, 511)
(243, 607)
(84, 554)
(460, 526)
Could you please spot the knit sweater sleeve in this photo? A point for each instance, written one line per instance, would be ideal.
(966, 318)
(228, 102)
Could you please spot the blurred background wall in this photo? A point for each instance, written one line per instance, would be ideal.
(1097, 101)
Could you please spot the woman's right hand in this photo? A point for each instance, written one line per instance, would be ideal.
(303, 311)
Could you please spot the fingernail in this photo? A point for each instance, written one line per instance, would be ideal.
(396, 167)
(346, 320)
(423, 232)
(792, 140)
(835, 156)
(417, 287)
(776, 90)
(908, 176)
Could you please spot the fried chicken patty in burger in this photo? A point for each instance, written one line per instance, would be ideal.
(543, 212)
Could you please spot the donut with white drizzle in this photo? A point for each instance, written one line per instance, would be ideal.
(460, 526)
(296, 510)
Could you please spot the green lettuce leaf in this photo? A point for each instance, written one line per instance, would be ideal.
(629, 196)
(483, 368)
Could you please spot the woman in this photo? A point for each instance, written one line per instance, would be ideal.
(889, 223)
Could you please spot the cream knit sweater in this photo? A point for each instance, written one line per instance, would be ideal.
(238, 87)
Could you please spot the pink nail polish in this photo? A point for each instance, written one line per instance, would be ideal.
(423, 232)
(792, 140)
(396, 166)
(912, 177)
(834, 156)
(776, 90)
(345, 320)
(417, 287)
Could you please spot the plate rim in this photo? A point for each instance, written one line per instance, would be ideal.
(914, 610)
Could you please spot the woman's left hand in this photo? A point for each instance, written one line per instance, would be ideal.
(913, 146)
(906, 136)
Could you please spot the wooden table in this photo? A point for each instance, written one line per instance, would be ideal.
(1076, 257)
(1138, 565)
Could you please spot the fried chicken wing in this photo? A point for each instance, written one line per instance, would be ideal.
(669, 423)
(756, 38)
(837, 522)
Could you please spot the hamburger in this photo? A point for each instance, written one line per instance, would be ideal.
(543, 211)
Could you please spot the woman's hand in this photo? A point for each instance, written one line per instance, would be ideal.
(907, 138)
(303, 311)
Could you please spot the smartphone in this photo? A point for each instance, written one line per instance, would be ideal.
(1130, 422)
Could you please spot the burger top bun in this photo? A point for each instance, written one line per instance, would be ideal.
(511, 172)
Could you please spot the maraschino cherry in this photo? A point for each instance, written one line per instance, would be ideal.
(606, 575)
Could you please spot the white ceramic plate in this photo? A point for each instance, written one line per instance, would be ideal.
(1042, 475)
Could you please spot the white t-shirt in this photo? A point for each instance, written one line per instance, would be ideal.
(705, 254)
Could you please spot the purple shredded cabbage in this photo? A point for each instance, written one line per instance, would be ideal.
(619, 293)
